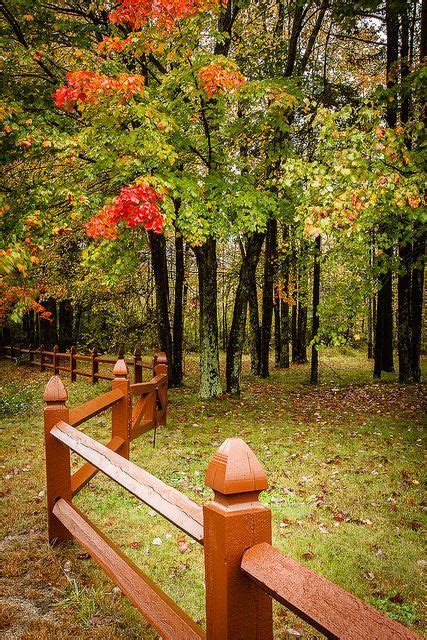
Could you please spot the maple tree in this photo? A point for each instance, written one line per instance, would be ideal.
(187, 124)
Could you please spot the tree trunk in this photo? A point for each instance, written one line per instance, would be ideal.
(294, 327)
(160, 270)
(277, 332)
(314, 374)
(65, 325)
(237, 332)
(210, 382)
(404, 314)
(255, 328)
(301, 354)
(417, 304)
(267, 294)
(178, 320)
(387, 350)
(284, 304)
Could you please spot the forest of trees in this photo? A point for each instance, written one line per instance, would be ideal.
(197, 175)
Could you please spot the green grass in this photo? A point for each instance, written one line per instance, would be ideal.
(344, 462)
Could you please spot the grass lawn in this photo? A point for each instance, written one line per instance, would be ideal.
(344, 462)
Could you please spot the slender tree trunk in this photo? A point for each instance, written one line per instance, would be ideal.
(370, 329)
(267, 294)
(277, 332)
(178, 319)
(417, 304)
(404, 314)
(294, 327)
(387, 351)
(160, 270)
(314, 374)
(210, 382)
(255, 328)
(384, 325)
(284, 304)
(301, 356)
(237, 332)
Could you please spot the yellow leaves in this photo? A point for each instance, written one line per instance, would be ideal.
(35, 260)
(28, 17)
(21, 267)
(46, 144)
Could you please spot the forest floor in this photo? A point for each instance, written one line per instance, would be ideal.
(344, 461)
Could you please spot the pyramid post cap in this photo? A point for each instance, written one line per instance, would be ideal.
(120, 369)
(55, 391)
(235, 469)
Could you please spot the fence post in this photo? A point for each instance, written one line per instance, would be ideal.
(55, 360)
(42, 367)
(95, 366)
(137, 377)
(73, 363)
(11, 350)
(30, 354)
(236, 609)
(58, 468)
(122, 411)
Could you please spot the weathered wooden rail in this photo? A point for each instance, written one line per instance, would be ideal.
(243, 572)
(67, 362)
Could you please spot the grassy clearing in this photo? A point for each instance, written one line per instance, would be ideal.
(344, 463)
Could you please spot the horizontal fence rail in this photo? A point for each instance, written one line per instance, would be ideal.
(169, 502)
(243, 572)
(54, 360)
(157, 608)
(328, 608)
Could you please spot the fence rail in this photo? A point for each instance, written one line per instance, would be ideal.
(243, 572)
(45, 359)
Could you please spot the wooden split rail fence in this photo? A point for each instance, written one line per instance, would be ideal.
(76, 364)
(243, 572)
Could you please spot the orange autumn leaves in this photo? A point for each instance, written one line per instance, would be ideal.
(84, 87)
(163, 13)
(215, 78)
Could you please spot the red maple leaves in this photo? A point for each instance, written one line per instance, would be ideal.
(215, 78)
(135, 205)
(164, 13)
(85, 87)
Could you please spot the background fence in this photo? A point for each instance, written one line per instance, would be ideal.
(77, 364)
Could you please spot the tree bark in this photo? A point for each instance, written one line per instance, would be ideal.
(159, 263)
(237, 332)
(301, 354)
(284, 304)
(178, 318)
(210, 382)
(267, 294)
(255, 328)
(314, 374)
(404, 314)
(417, 292)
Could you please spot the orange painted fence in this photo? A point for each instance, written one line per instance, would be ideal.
(76, 364)
(243, 572)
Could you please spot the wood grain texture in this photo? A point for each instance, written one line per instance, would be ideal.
(82, 476)
(168, 501)
(94, 407)
(324, 605)
(157, 608)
